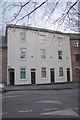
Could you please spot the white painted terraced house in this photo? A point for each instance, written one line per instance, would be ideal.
(37, 56)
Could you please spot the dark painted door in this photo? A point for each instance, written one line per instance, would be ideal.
(33, 76)
(11, 78)
(52, 75)
(68, 74)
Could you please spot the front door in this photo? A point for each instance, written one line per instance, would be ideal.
(11, 77)
(52, 75)
(33, 76)
(68, 74)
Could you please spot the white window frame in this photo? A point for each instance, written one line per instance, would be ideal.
(59, 40)
(76, 71)
(43, 54)
(22, 49)
(76, 44)
(44, 71)
(61, 76)
(22, 36)
(42, 39)
(23, 71)
(60, 55)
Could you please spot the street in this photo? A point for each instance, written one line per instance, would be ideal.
(40, 104)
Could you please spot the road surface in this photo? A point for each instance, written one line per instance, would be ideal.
(40, 104)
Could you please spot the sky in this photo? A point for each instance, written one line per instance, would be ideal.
(39, 18)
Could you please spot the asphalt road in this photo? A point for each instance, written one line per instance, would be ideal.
(40, 104)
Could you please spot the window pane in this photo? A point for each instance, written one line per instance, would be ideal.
(22, 36)
(42, 38)
(22, 53)
(43, 73)
(43, 69)
(60, 55)
(77, 71)
(59, 40)
(76, 44)
(43, 53)
(77, 57)
(22, 73)
(60, 72)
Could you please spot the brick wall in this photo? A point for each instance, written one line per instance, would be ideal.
(0, 65)
(74, 50)
(4, 65)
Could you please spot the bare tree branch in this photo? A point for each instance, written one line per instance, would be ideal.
(52, 11)
(32, 11)
(11, 5)
(20, 10)
(72, 6)
(69, 14)
(29, 16)
(76, 11)
(63, 16)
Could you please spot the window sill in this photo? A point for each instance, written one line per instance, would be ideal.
(43, 59)
(43, 78)
(23, 41)
(22, 79)
(59, 44)
(23, 59)
(61, 77)
(43, 43)
(60, 60)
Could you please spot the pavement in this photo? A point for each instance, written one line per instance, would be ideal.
(56, 86)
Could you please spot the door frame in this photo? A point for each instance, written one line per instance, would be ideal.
(69, 73)
(35, 75)
(54, 75)
(9, 71)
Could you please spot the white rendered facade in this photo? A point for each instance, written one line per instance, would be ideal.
(41, 57)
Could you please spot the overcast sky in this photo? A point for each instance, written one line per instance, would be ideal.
(39, 18)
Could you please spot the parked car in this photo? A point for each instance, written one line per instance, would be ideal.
(2, 86)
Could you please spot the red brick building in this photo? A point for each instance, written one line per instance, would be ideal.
(75, 56)
(3, 59)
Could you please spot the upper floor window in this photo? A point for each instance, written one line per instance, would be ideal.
(42, 38)
(23, 53)
(59, 40)
(59, 55)
(22, 73)
(77, 71)
(60, 72)
(76, 44)
(77, 57)
(43, 53)
(22, 36)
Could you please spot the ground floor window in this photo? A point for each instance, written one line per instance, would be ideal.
(77, 71)
(43, 72)
(22, 73)
(60, 72)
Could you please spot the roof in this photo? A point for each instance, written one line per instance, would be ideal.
(74, 36)
(34, 28)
